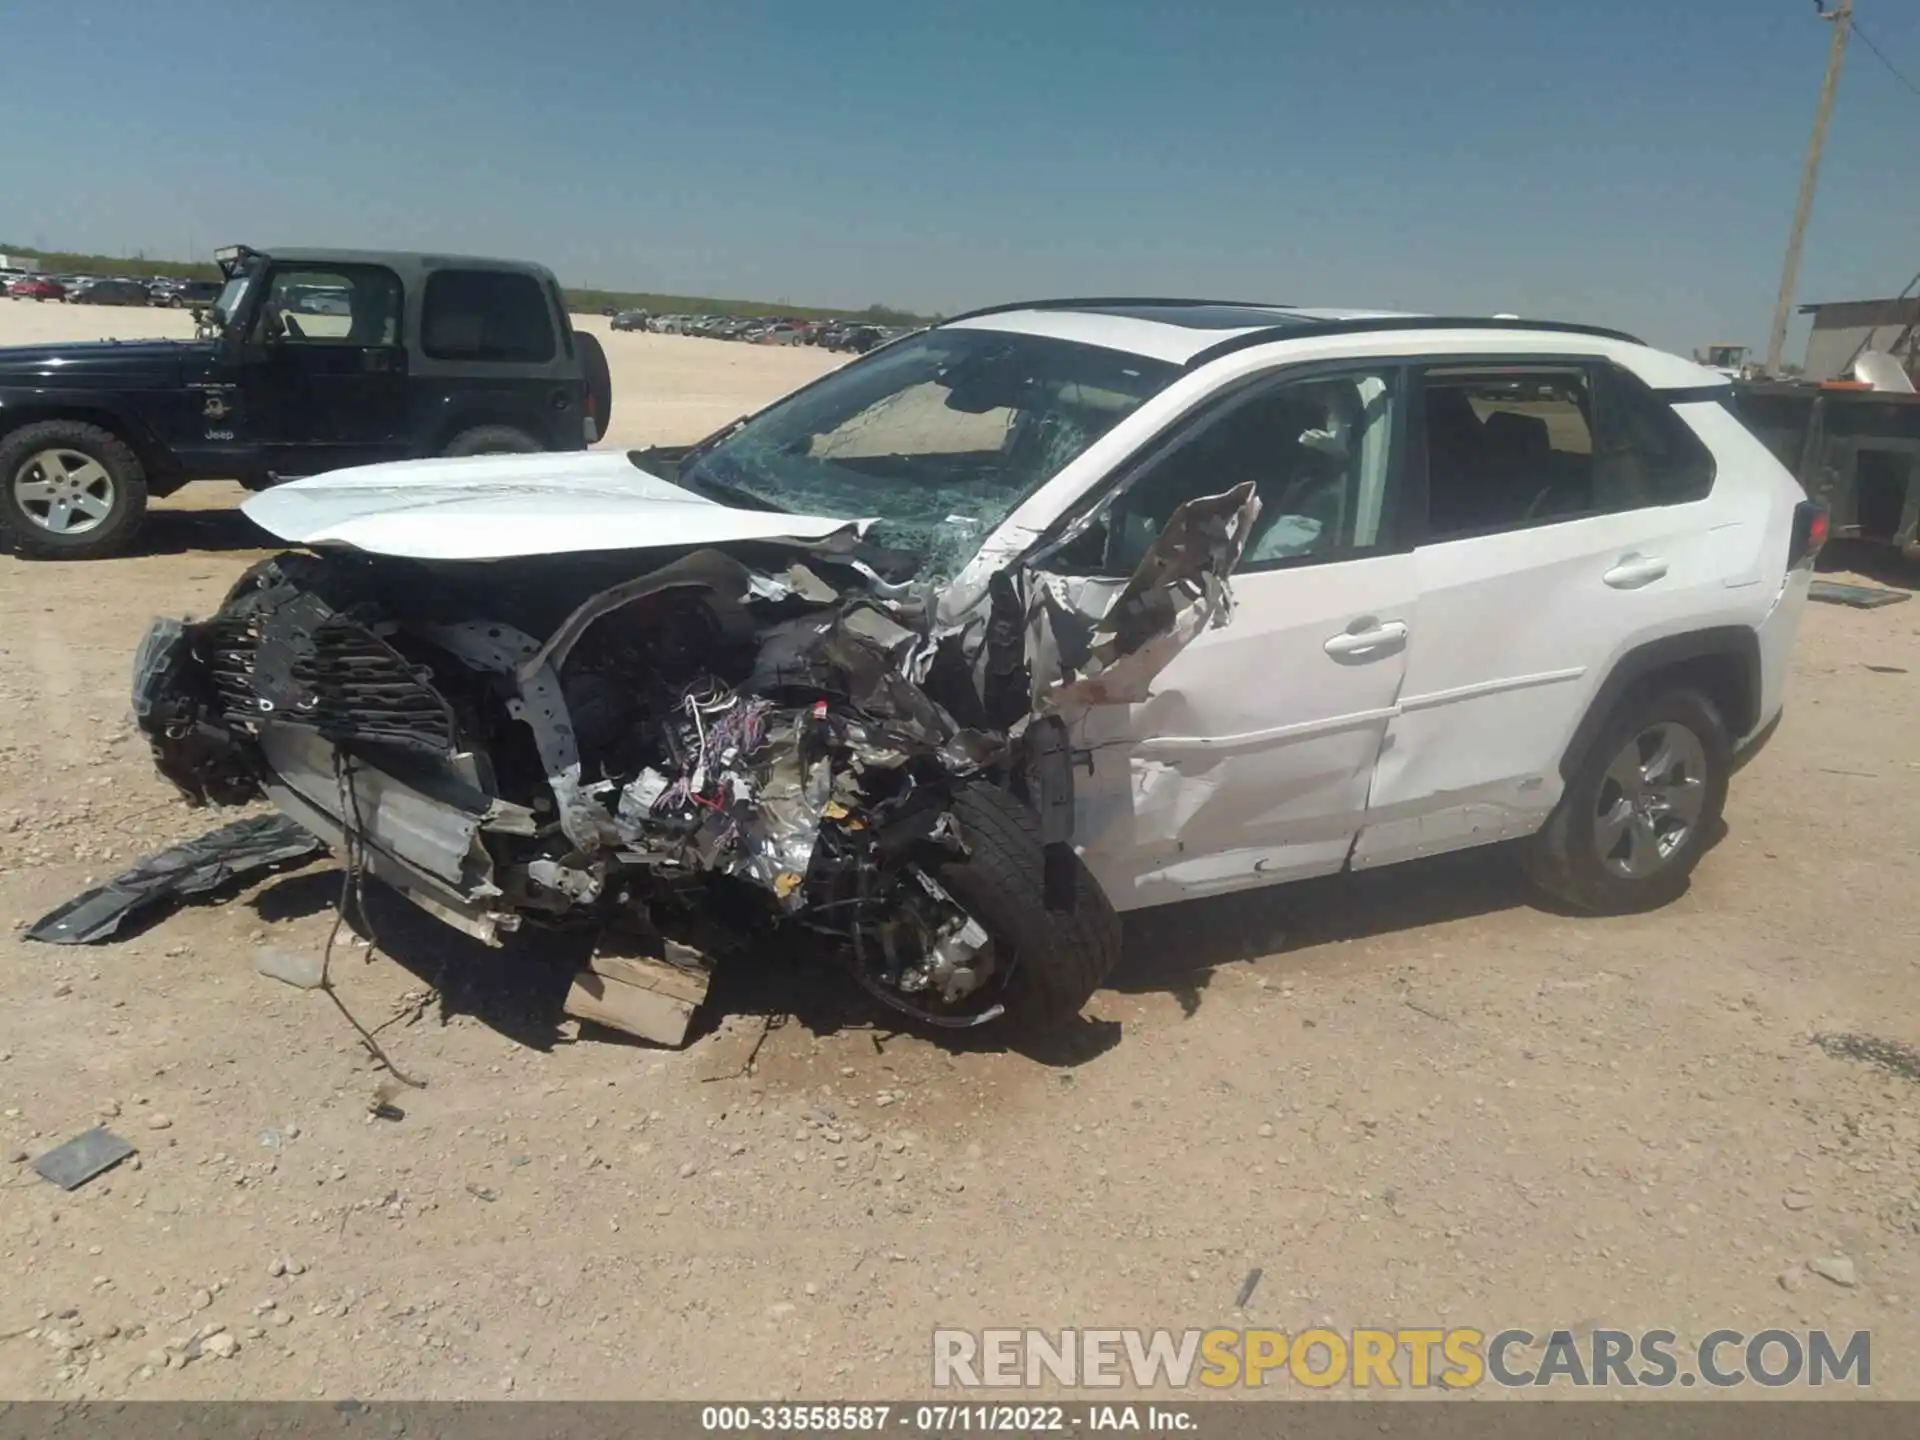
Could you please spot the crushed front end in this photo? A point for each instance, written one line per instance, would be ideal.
(691, 750)
(709, 751)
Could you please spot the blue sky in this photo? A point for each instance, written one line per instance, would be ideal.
(1627, 162)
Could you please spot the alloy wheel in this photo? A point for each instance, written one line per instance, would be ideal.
(64, 492)
(1650, 801)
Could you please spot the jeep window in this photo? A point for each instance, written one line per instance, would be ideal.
(486, 315)
(1317, 450)
(937, 438)
(1507, 447)
(332, 305)
(228, 303)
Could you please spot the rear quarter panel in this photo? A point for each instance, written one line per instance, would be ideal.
(1770, 597)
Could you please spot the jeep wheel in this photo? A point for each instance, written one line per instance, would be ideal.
(72, 491)
(1642, 808)
(492, 440)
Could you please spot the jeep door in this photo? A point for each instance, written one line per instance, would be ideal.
(327, 385)
(1252, 757)
(1565, 515)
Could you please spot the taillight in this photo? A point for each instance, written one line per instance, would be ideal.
(1810, 526)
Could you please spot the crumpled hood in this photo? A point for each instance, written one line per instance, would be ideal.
(493, 507)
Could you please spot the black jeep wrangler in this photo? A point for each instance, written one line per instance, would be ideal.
(310, 360)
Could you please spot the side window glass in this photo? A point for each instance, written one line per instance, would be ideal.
(1646, 454)
(1506, 447)
(1317, 452)
(486, 315)
(334, 305)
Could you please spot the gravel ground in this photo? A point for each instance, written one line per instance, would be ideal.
(1408, 1099)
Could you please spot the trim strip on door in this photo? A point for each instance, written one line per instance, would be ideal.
(1491, 687)
(1160, 744)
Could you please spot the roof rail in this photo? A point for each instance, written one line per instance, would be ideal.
(1405, 322)
(1098, 302)
(1317, 324)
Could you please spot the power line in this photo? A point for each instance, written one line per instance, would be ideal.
(1880, 55)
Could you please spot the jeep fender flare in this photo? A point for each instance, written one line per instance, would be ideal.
(1728, 654)
(19, 406)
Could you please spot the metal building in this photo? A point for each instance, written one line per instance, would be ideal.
(1842, 329)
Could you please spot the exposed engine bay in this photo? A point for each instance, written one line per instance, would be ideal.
(695, 748)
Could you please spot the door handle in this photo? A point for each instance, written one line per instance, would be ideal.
(1358, 642)
(1633, 571)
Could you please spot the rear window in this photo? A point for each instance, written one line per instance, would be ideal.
(486, 315)
(1649, 455)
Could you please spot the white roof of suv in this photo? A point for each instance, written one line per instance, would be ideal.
(1179, 331)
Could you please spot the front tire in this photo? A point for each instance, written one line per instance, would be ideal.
(1641, 809)
(1059, 958)
(69, 491)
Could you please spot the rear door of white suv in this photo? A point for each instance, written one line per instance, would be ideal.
(1568, 516)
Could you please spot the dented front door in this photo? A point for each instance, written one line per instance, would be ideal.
(1248, 757)
(1251, 760)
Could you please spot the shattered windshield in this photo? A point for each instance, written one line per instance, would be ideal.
(938, 437)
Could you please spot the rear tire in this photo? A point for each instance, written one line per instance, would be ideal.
(492, 440)
(1059, 957)
(69, 491)
(1640, 810)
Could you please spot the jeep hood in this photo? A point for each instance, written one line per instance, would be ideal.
(496, 507)
(96, 361)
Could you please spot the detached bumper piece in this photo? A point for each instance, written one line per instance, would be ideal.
(217, 859)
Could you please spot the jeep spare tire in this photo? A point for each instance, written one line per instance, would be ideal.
(593, 369)
(69, 491)
(492, 440)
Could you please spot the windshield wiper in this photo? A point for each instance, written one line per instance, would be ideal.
(700, 448)
(688, 460)
(725, 494)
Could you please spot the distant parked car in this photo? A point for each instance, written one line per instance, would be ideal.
(630, 320)
(318, 300)
(109, 292)
(187, 294)
(37, 287)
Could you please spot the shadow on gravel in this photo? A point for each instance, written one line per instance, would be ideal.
(516, 989)
(519, 988)
(1880, 563)
(181, 532)
(1176, 948)
(188, 532)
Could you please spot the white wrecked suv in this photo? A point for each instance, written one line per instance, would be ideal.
(1051, 610)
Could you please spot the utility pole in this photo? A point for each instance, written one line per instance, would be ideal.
(1841, 18)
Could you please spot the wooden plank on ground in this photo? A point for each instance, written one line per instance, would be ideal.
(650, 1014)
(651, 996)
